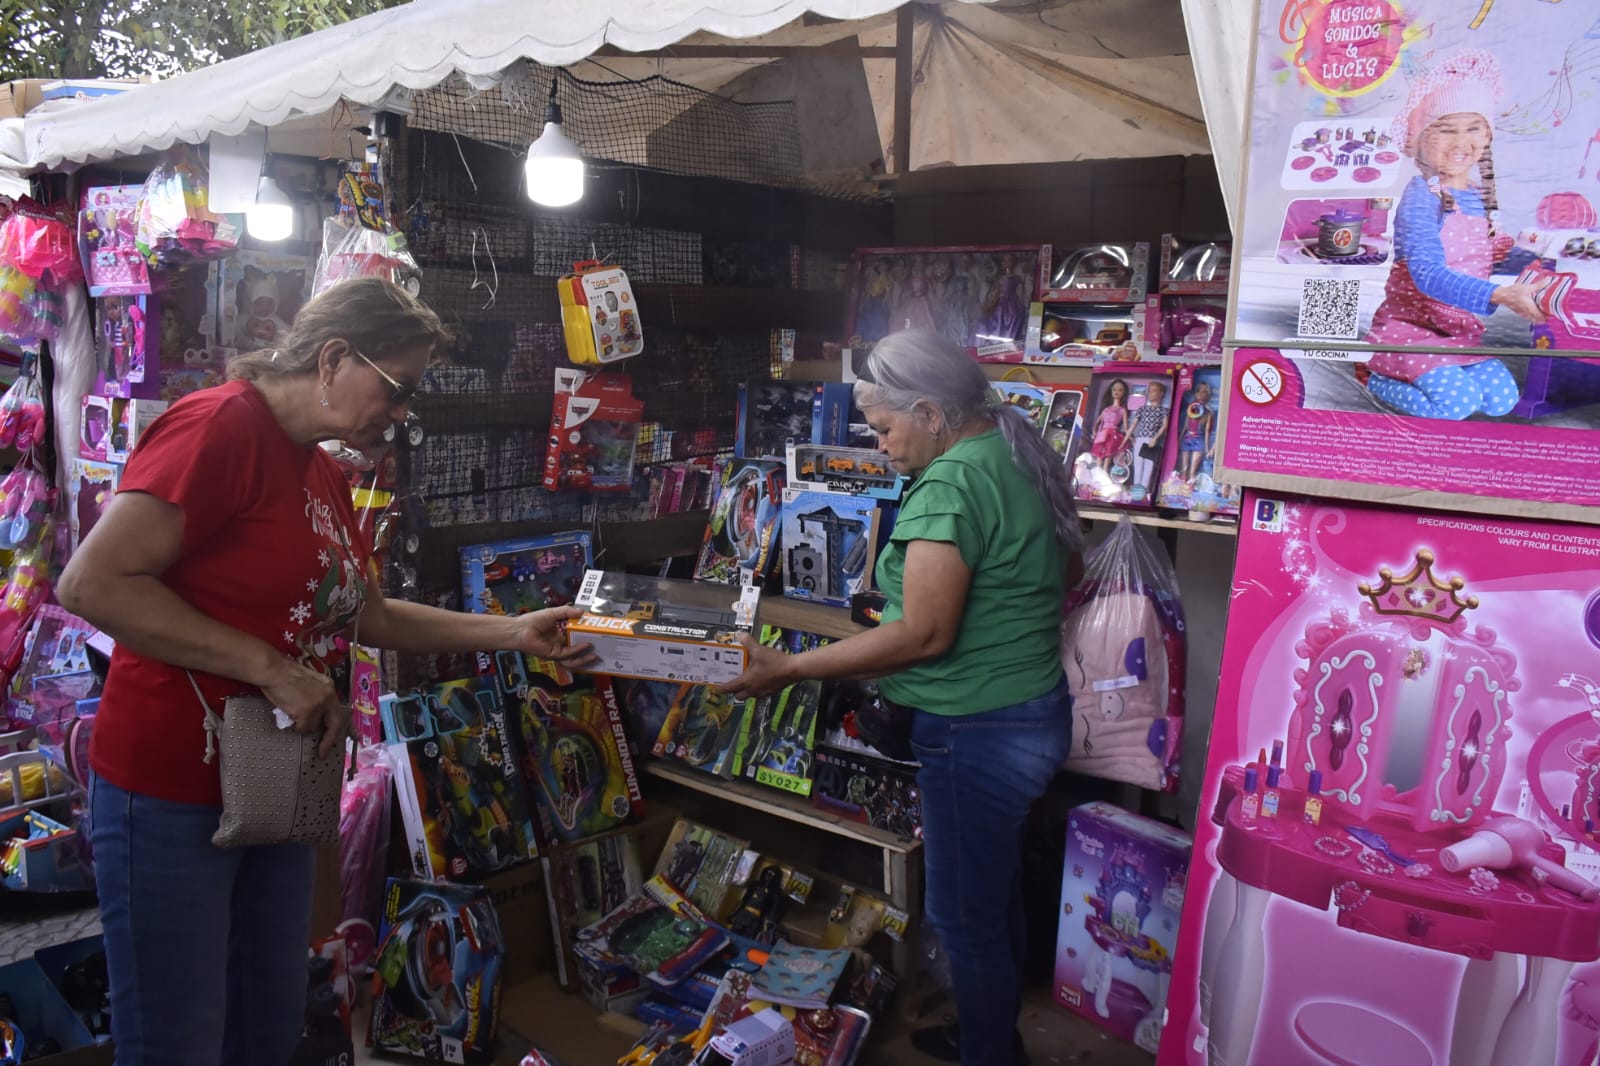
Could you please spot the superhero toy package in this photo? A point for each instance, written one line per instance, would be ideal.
(525, 574)
(463, 798)
(436, 980)
(574, 750)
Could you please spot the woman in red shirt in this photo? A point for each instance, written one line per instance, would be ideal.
(232, 553)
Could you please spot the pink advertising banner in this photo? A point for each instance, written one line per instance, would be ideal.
(1395, 858)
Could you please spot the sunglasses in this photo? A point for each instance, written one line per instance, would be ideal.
(399, 392)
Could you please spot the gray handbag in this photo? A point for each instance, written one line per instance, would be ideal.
(276, 788)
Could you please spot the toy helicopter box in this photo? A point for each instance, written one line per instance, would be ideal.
(436, 975)
(829, 541)
(594, 429)
(599, 315)
(663, 630)
(525, 574)
(1121, 895)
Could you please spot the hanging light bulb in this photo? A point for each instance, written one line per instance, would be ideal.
(555, 167)
(271, 217)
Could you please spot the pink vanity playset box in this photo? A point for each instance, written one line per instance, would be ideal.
(1121, 896)
(1395, 858)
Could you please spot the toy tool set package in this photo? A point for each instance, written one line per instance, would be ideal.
(829, 542)
(526, 574)
(771, 414)
(1400, 796)
(741, 537)
(1128, 431)
(436, 974)
(599, 315)
(662, 629)
(852, 471)
(1121, 896)
(1191, 484)
(594, 431)
(976, 296)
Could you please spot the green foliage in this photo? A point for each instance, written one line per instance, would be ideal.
(127, 38)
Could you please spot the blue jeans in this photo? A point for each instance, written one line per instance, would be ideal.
(980, 775)
(205, 946)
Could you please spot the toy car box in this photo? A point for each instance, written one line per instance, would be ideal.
(1121, 895)
(773, 413)
(854, 471)
(525, 574)
(436, 974)
(661, 629)
(594, 430)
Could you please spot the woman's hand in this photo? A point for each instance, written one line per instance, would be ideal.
(767, 670)
(309, 698)
(1520, 299)
(542, 634)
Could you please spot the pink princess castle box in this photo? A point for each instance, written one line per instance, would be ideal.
(1424, 893)
(1121, 896)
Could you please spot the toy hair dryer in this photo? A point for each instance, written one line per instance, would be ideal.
(1508, 841)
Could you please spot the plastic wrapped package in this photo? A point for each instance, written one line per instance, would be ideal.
(174, 225)
(40, 245)
(351, 250)
(364, 847)
(1123, 648)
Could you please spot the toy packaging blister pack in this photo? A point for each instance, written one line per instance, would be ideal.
(1128, 436)
(463, 796)
(829, 543)
(770, 414)
(599, 315)
(128, 345)
(690, 723)
(976, 296)
(594, 431)
(1190, 483)
(1121, 896)
(1396, 845)
(253, 296)
(514, 577)
(112, 263)
(436, 978)
(741, 538)
(575, 753)
(662, 629)
(585, 880)
(852, 471)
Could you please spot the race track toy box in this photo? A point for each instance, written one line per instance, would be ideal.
(663, 630)
(525, 574)
(436, 978)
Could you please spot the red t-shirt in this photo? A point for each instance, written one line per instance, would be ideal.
(269, 547)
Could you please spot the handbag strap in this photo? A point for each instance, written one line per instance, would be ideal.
(213, 719)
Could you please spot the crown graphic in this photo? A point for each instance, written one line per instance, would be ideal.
(1419, 594)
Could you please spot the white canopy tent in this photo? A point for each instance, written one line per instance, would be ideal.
(1009, 81)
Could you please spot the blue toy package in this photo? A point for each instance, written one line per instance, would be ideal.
(829, 542)
(773, 413)
(436, 973)
(512, 577)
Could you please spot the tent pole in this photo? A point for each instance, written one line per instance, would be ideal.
(905, 22)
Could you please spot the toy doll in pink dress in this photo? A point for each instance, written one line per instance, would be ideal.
(1444, 249)
(1108, 427)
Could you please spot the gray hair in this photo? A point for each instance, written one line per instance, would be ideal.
(917, 366)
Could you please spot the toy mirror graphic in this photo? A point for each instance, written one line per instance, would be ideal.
(1564, 763)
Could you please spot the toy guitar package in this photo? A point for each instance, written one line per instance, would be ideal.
(594, 431)
(599, 315)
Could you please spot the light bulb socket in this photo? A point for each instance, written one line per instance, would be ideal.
(552, 110)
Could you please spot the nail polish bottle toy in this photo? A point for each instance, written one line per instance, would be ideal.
(1313, 806)
(1250, 806)
(1271, 798)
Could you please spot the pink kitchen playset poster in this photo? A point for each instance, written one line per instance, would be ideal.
(1421, 190)
(1395, 858)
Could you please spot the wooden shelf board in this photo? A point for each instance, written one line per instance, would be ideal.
(1218, 526)
(815, 618)
(779, 805)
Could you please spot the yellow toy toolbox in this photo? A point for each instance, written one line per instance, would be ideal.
(599, 314)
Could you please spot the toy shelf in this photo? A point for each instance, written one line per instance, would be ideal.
(1217, 526)
(815, 618)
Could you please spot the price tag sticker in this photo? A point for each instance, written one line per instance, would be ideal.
(895, 922)
(799, 886)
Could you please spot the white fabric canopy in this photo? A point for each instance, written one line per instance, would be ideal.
(1220, 32)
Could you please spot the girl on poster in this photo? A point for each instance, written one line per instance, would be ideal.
(1445, 247)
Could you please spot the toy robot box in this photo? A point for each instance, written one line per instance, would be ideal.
(661, 629)
(526, 574)
(464, 799)
(1121, 895)
(829, 542)
(436, 978)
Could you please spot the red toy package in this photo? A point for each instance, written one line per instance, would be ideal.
(594, 430)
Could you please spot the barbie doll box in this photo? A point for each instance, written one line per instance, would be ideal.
(1121, 895)
(1400, 798)
(663, 630)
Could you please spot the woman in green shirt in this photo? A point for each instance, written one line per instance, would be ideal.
(974, 573)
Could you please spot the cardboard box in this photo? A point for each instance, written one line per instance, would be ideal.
(40, 1010)
(519, 900)
(773, 413)
(19, 97)
(663, 630)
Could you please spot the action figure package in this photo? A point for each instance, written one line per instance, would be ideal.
(594, 431)
(656, 933)
(775, 745)
(773, 413)
(741, 539)
(436, 979)
(463, 798)
(859, 783)
(575, 753)
(697, 725)
(598, 314)
(704, 865)
(829, 542)
(526, 574)
(585, 880)
(663, 629)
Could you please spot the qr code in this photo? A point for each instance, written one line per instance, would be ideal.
(1329, 308)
